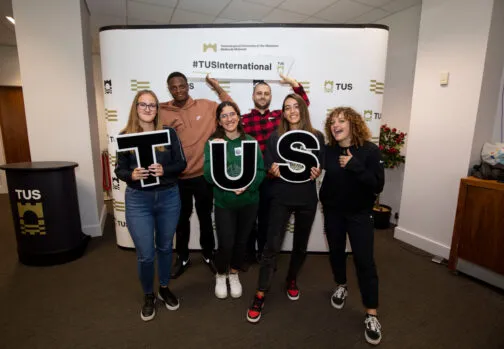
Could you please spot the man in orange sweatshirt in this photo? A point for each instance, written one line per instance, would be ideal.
(194, 122)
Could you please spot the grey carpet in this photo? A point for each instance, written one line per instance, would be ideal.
(94, 302)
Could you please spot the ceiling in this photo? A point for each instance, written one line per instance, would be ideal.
(129, 12)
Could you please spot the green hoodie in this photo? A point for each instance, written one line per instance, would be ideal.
(228, 199)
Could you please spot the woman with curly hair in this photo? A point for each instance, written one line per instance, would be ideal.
(353, 178)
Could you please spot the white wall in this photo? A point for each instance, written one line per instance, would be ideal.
(52, 61)
(490, 90)
(400, 74)
(9, 76)
(498, 134)
(453, 37)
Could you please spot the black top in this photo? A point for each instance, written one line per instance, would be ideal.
(355, 187)
(172, 160)
(39, 166)
(292, 194)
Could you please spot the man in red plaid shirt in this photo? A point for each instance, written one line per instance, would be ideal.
(260, 123)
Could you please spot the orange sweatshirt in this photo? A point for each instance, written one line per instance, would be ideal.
(194, 124)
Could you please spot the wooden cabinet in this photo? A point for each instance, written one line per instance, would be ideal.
(478, 234)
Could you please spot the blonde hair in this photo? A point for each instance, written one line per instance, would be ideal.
(358, 128)
(133, 126)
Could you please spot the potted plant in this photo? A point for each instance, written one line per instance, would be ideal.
(391, 142)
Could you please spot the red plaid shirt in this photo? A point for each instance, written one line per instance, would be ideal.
(260, 126)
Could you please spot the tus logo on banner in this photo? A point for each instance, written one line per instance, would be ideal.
(107, 85)
(226, 85)
(330, 86)
(30, 212)
(376, 87)
(111, 115)
(370, 115)
(118, 205)
(210, 47)
(139, 85)
(115, 183)
(112, 160)
(120, 223)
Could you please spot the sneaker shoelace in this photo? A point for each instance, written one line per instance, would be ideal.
(233, 278)
(256, 306)
(373, 324)
(292, 285)
(340, 292)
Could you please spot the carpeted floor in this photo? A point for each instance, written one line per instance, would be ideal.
(94, 302)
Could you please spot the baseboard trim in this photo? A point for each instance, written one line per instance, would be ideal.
(422, 242)
(95, 230)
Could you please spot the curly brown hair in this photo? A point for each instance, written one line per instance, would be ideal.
(358, 128)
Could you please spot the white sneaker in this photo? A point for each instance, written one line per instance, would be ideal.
(221, 291)
(235, 285)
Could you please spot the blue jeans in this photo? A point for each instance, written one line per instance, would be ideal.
(147, 211)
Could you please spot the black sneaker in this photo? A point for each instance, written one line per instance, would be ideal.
(373, 329)
(149, 308)
(168, 298)
(339, 296)
(180, 267)
(209, 261)
(254, 312)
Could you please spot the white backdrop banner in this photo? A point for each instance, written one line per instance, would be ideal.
(337, 65)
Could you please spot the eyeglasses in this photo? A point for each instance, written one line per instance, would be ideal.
(228, 115)
(144, 106)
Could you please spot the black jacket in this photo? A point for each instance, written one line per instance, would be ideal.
(355, 187)
(292, 194)
(172, 160)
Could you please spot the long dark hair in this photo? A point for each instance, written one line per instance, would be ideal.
(304, 115)
(219, 131)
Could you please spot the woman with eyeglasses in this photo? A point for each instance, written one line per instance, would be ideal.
(235, 211)
(152, 212)
(288, 198)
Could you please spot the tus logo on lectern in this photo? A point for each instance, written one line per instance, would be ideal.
(30, 212)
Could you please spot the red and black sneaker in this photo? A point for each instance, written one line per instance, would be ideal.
(292, 290)
(254, 312)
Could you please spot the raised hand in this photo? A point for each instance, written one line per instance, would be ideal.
(288, 80)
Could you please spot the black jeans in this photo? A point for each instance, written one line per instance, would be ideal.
(233, 229)
(360, 229)
(279, 217)
(198, 188)
(260, 229)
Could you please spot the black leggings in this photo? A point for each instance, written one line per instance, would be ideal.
(360, 229)
(279, 217)
(233, 228)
